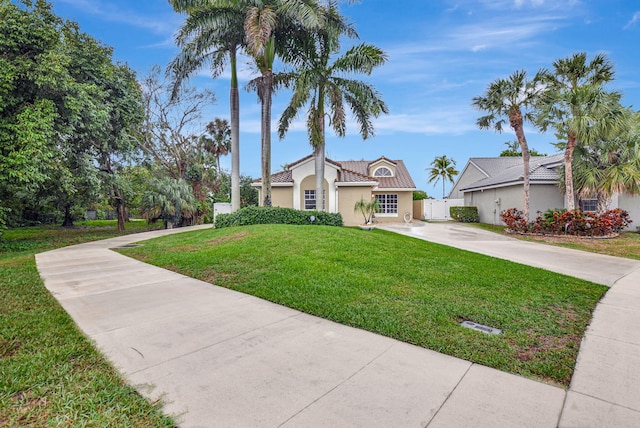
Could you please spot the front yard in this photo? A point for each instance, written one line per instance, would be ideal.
(405, 288)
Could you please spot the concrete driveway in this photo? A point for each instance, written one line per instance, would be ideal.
(219, 358)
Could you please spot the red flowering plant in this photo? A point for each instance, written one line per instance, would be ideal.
(515, 221)
(576, 222)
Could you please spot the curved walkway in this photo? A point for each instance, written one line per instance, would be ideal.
(221, 358)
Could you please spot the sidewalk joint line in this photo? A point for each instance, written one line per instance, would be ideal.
(450, 394)
(338, 385)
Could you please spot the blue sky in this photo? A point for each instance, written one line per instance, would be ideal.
(441, 54)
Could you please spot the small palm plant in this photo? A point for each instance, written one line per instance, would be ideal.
(367, 208)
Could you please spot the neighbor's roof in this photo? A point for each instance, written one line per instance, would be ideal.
(354, 172)
(504, 171)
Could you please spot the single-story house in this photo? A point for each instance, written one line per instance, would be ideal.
(345, 183)
(495, 184)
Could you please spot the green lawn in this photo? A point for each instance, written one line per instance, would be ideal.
(50, 373)
(401, 287)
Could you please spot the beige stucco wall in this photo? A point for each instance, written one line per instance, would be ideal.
(492, 202)
(282, 197)
(347, 198)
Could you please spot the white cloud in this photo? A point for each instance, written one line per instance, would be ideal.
(166, 24)
(633, 21)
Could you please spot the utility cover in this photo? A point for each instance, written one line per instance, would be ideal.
(479, 327)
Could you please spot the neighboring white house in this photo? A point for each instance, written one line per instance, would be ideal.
(495, 184)
(345, 183)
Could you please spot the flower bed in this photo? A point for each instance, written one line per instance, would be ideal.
(572, 223)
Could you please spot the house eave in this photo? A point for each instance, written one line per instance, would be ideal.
(356, 183)
(508, 184)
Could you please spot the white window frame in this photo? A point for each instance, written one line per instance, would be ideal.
(310, 197)
(381, 168)
(388, 205)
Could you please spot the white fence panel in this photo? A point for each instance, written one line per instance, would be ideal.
(438, 209)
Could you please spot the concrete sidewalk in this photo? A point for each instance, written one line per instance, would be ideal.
(605, 388)
(221, 358)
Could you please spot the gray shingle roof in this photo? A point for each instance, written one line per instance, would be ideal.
(508, 170)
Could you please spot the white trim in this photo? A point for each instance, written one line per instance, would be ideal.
(273, 184)
(394, 189)
(356, 183)
(381, 215)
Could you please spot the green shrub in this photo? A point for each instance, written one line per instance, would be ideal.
(419, 195)
(276, 215)
(464, 214)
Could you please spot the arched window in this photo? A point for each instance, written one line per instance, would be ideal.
(383, 171)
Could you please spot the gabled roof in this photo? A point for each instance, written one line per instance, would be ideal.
(505, 171)
(354, 172)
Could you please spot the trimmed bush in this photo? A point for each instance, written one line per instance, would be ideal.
(276, 215)
(419, 195)
(464, 214)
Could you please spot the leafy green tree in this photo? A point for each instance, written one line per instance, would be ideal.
(442, 168)
(578, 109)
(320, 82)
(512, 99)
(513, 150)
(62, 100)
(212, 35)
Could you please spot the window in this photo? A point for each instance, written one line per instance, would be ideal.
(310, 199)
(590, 205)
(388, 204)
(383, 171)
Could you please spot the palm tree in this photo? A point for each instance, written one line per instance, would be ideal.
(323, 86)
(213, 33)
(218, 142)
(607, 168)
(268, 27)
(507, 98)
(442, 168)
(578, 108)
(169, 200)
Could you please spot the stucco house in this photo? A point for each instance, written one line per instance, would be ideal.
(345, 182)
(495, 184)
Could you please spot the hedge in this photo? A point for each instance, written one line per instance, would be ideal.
(276, 215)
(464, 214)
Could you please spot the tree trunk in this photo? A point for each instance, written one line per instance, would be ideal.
(119, 206)
(516, 122)
(604, 202)
(235, 133)
(318, 154)
(569, 195)
(267, 81)
(68, 218)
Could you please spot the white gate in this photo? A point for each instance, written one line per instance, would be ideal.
(438, 209)
(221, 208)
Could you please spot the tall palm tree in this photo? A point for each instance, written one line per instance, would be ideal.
(323, 86)
(218, 142)
(442, 168)
(212, 35)
(268, 27)
(507, 98)
(578, 108)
